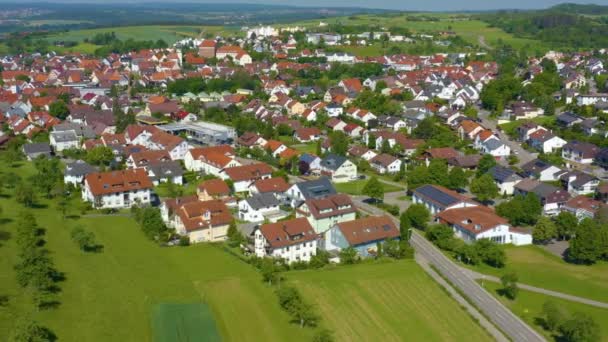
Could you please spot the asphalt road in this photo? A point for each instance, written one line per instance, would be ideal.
(497, 313)
(522, 154)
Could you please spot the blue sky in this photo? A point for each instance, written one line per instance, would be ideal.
(421, 5)
(413, 5)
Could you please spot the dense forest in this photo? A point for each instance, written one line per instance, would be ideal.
(563, 26)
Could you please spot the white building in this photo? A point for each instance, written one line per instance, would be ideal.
(437, 198)
(323, 213)
(294, 240)
(261, 207)
(117, 189)
(472, 224)
(64, 140)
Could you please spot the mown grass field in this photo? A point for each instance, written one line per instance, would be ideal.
(467, 28)
(394, 301)
(537, 267)
(528, 306)
(110, 296)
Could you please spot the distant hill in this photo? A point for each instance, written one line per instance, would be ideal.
(589, 9)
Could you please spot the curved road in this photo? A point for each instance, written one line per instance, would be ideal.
(502, 317)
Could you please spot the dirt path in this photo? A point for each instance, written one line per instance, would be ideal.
(482, 43)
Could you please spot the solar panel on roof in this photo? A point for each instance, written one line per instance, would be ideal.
(437, 195)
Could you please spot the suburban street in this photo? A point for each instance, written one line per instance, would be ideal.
(521, 153)
(502, 317)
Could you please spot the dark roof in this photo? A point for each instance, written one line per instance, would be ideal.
(263, 200)
(501, 173)
(333, 161)
(170, 168)
(439, 195)
(79, 168)
(318, 188)
(37, 148)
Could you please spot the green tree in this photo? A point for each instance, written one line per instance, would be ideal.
(323, 335)
(25, 195)
(349, 256)
(235, 238)
(270, 271)
(339, 143)
(374, 189)
(442, 236)
(457, 178)
(386, 147)
(59, 109)
(566, 224)
(27, 330)
(418, 216)
(586, 245)
(486, 162)
(84, 239)
(484, 188)
(580, 328)
(544, 230)
(438, 172)
(405, 226)
(553, 315)
(100, 155)
(509, 285)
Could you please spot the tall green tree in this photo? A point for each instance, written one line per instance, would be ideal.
(374, 189)
(544, 230)
(486, 162)
(484, 188)
(566, 224)
(580, 328)
(509, 285)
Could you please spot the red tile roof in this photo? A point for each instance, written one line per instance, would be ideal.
(118, 181)
(288, 233)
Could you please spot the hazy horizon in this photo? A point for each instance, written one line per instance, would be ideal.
(412, 5)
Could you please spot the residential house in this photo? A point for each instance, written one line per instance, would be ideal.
(307, 134)
(243, 176)
(312, 189)
(475, 223)
(545, 141)
(496, 148)
(552, 198)
(542, 170)
(64, 140)
(583, 207)
(323, 213)
(213, 189)
(261, 207)
(568, 119)
(309, 163)
(437, 198)
(206, 221)
(117, 189)
(35, 150)
(165, 172)
(293, 240)
(76, 171)
(276, 186)
(210, 160)
(362, 152)
(505, 179)
(579, 152)
(339, 168)
(385, 163)
(580, 183)
(363, 234)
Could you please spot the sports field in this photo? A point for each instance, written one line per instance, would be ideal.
(111, 296)
(393, 301)
(537, 267)
(528, 306)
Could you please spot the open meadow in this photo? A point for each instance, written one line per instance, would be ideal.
(529, 305)
(393, 301)
(111, 296)
(537, 267)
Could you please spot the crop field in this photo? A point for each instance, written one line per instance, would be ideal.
(111, 295)
(469, 29)
(393, 301)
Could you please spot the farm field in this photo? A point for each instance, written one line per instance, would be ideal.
(471, 30)
(110, 296)
(170, 34)
(528, 306)
(537, 267)
(392, 301)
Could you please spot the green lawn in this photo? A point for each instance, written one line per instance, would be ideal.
(110, 296)
(510, 127)
(306, 148)
(528, 306)
(537, 267)
(394, 301)
(355, 187)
